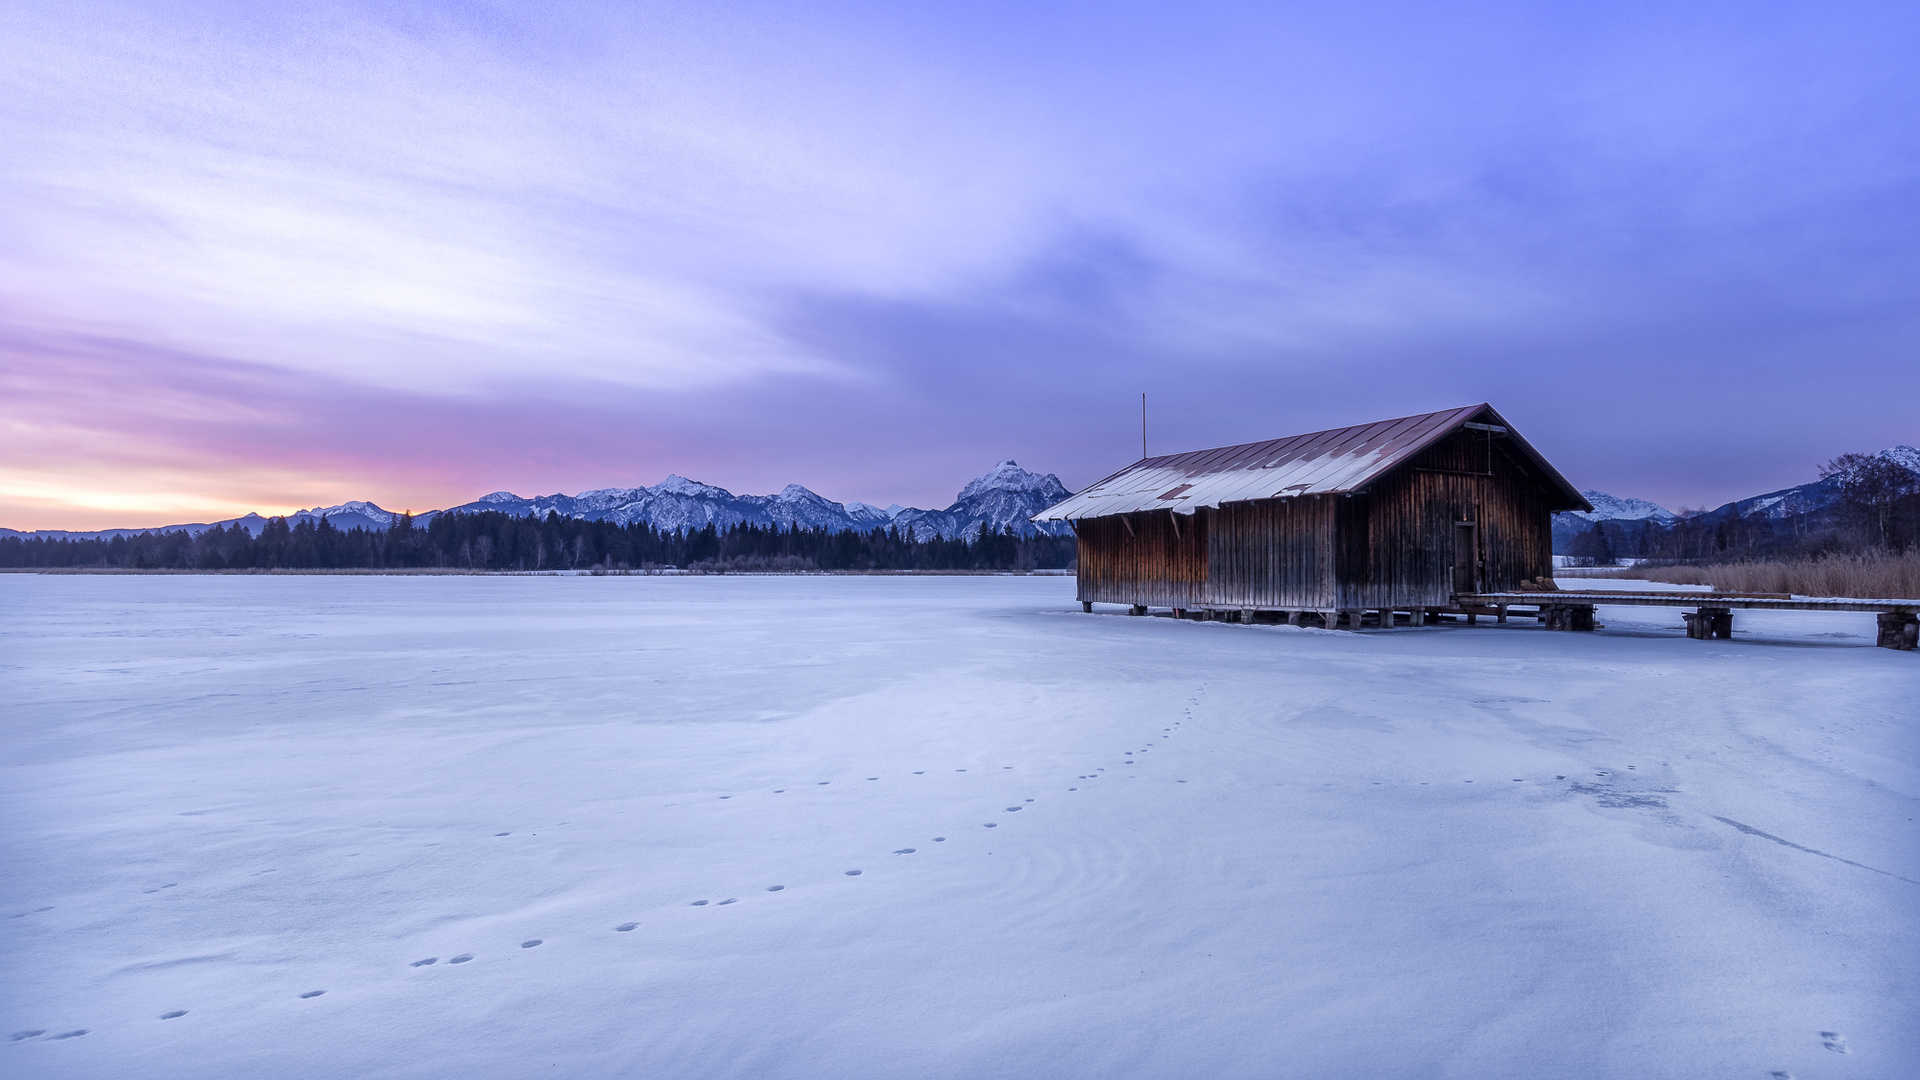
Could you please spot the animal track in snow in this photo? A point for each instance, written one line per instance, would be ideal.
(174, 1015)
(1835, 1042)
(461, 959)
(313, 993)
(429, 961)
(626, 926)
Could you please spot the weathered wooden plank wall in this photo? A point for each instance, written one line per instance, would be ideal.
(1397, 539)
(1272, 554)
(1143, 559)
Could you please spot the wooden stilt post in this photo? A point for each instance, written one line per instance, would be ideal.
(1137, 609)
(1246, 616)
(1086, 606)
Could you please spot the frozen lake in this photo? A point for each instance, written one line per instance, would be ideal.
(937, 827)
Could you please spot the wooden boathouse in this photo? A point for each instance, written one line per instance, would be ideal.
(1362, 522)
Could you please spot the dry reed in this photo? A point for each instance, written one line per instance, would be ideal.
(1872, 575)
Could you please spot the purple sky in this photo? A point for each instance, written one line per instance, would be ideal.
(268, 256)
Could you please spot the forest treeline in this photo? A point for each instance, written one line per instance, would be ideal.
(491, 540)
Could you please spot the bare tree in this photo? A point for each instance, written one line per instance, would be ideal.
(1870, 486)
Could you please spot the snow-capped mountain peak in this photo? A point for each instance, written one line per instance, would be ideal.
(675, 484)
(1904, 456)
(1009, 476)
(1615, 508)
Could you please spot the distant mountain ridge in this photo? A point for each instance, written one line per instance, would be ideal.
(1814, 497)
(1005, 496)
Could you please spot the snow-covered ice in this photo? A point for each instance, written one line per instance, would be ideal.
(937, 827)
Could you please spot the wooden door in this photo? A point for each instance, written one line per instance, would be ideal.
(1466, 558)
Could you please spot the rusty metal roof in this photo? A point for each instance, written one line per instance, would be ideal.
(1318, 463)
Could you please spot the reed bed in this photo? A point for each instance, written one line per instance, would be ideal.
(1871, 575)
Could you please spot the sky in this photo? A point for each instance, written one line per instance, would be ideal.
(262, 257)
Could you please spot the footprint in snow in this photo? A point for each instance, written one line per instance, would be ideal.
(1012, 810)
(853, 873)
(313, 993)
(904, 851)
(939, 839)
(728, 900)
(20, 1035)
(775, 888)
(425, 963)
(174, 1015)
(990, 825)
(626, 926)
(698, 903)
(531, 944)
(69, 1034)
(1835, 1042)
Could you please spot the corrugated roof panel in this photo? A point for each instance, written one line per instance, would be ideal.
(1316, 463)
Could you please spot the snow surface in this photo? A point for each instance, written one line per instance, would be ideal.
(1170, 849)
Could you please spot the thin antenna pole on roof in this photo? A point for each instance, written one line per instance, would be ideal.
(1143, 425)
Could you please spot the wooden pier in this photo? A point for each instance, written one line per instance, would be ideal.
(1712, 617)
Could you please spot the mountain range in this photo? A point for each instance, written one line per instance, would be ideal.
(1005, 496)
(1813, 497)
